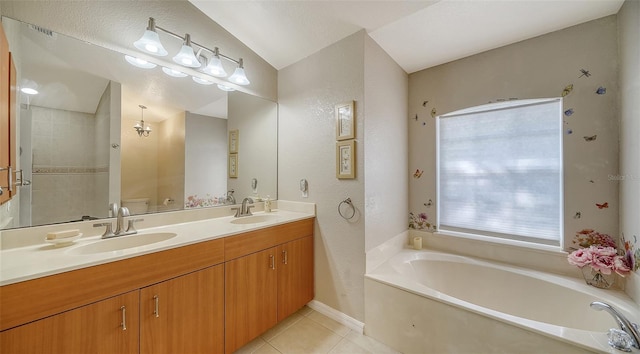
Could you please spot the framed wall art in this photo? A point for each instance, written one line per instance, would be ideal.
(346, 159)
(345, 121)
(234, 137)
(233, 165)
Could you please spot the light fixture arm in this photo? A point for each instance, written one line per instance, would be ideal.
(187, 38)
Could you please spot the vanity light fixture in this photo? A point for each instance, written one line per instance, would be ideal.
(140, 63)
(186, 56)
(150, 41)
(211, 58)
(214, 67)
(173, 72)
(239, 76)
(140, 127)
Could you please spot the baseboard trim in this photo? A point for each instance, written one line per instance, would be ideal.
(337, 316)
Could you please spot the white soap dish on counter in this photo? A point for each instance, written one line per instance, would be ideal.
(65, 241)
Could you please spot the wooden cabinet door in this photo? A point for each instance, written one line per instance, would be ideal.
(96, 328)
(184, 315)
(250, 294)
(295, 276)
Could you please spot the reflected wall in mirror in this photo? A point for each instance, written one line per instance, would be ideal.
(81, 151)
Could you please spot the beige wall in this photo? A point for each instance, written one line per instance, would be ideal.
(256, 120)
(536, 68)
(357, 69)
(139, 162)
(629, 49)
(171, 162)
(308, 91)
(386, 148)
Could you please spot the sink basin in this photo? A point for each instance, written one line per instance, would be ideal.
(122, 243)
(254, 219)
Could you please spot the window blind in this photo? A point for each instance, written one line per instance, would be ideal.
(500, 170)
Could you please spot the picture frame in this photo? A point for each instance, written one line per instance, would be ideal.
(346, 159)
(345, 120)
(234, 140)
(233, 166)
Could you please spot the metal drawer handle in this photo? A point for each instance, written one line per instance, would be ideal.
(124, 318)
(285, 258)
(156, 311)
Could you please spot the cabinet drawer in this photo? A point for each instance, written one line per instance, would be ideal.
(38, 298)
(254, 241)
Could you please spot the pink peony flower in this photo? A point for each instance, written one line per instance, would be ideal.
(620, 266)
(602, 263)
(580, 258)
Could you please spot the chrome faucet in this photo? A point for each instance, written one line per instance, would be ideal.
(122, 213)
(230, 198)
(625, 325)
(245, 209)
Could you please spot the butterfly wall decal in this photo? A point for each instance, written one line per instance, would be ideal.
(604, 205)
(568, 112)
(433, 113)
(567, 90)
(601, 90)
(418, 174)
(590, 138)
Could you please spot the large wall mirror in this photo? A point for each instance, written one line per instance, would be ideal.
(79, 148)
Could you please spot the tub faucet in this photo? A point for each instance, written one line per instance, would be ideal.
(630, 328)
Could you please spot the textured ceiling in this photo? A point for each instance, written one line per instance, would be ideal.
(416, 34)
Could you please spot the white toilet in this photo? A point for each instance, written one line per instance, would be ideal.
(136, 206)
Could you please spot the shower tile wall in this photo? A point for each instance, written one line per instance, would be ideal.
(63, 165)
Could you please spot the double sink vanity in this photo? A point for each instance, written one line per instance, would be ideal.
(206, 285)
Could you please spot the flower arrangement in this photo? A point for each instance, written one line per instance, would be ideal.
(601, 257)
(419, 222)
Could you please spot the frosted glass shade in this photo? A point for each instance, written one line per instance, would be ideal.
(202, 81)
(225, 88)
(186, 57)
(140, 63)
(239, 77)
(150, 43)
(173, 72)
(215, 68)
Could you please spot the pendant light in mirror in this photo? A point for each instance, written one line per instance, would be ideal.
(141, 129)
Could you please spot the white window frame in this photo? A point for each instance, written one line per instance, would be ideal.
(501, 238)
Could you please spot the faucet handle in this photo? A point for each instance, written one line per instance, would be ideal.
(108, 232)
(237, 210)
(130, 227)
(248, 213)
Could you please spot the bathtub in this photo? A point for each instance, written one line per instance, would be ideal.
(432, 302)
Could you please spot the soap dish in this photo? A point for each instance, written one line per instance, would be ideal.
(61, 242)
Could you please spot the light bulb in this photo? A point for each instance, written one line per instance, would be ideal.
(215, 67)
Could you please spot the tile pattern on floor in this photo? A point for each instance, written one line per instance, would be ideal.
(308, 331)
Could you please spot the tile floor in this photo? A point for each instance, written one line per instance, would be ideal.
(308, 331)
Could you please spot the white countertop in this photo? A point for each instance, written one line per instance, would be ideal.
(43, 259)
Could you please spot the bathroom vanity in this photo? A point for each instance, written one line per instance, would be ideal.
(208, 294)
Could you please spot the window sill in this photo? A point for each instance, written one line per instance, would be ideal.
(518, 253)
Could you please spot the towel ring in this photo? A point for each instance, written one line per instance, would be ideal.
(349, 203)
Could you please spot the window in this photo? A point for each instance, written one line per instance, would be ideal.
(500, 170)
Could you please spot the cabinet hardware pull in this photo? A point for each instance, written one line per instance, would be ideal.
(285, 258)
(124, 318)
(156, 311)
(272, 264)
